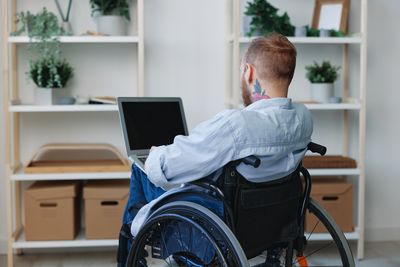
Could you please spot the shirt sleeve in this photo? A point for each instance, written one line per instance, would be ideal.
(209, 147)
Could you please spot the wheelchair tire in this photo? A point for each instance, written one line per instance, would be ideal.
(228, 251)
(338, 238)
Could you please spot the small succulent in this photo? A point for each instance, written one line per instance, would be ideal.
(324, 73)
(50, 72)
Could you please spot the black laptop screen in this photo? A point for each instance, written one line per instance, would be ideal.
(152, 123)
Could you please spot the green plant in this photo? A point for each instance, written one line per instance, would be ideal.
(324, 73)
(24, 22)
(311, 32)
(111, 7)
(265, 19)
(43, 26)
(50, 72)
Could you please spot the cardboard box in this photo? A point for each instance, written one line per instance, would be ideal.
(105, 203)
(52, 211)
(335, 195)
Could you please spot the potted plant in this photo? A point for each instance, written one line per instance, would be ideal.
(322, 78)
(265, 19)
(50, 74)
(113, 15)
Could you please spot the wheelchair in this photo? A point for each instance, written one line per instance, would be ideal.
(262, 224)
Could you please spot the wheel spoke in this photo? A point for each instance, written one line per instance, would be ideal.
(315, 226)
(165, 245)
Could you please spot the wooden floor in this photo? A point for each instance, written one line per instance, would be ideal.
(385, 254)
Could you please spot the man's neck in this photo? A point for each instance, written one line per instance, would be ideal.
(274, 90)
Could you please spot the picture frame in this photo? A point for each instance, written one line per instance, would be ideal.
(331, 15)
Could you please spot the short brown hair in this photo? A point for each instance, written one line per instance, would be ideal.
(274, 58)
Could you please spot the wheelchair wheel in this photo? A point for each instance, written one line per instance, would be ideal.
(185, 234)
(339, 250)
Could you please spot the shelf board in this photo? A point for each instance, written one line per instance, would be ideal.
(339, 106)
(21, 176)
(327, 237)
(313, 40)
(333, 172)
(81, 39)
(63, 108)
(106, 107)
(79, 242)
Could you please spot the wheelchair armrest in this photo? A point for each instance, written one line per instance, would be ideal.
(316, 148)
(252, 160)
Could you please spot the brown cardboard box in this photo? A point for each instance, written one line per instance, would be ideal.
(335, 195)
(52, 211)
(104, 206)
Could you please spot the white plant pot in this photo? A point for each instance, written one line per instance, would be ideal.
(111, 25)
(48, 96)
(321, 92)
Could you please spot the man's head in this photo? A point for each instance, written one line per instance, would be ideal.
(267, 68)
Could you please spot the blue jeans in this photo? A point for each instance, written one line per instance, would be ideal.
(141, 192)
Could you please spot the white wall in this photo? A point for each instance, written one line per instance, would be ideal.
(185, 57)
(383, 129)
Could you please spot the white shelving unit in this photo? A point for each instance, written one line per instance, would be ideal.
(235, 42)
(14, 108)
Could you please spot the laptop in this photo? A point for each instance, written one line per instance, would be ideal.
(150, 121)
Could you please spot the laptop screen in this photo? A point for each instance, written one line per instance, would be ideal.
(152, 123)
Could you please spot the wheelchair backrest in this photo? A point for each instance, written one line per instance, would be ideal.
(264, 214)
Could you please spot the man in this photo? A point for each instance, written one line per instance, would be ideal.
(270, 127)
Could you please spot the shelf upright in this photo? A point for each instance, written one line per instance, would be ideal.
(234, 41)
(140, 33)
(362, 127)
(6, 92)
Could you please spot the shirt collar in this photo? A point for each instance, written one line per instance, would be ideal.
(279, 103)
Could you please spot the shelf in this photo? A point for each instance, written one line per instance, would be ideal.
(333, 172)
(81, 39)
(21, 176)
(63, 108)
(314, 40)
(105, 107)
(327, 237)
(340, 106)
(79, 242)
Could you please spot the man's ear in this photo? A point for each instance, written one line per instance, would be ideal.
(249, 73)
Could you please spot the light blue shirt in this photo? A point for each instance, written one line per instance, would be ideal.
(276, 130)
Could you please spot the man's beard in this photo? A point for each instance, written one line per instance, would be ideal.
(246, 96)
